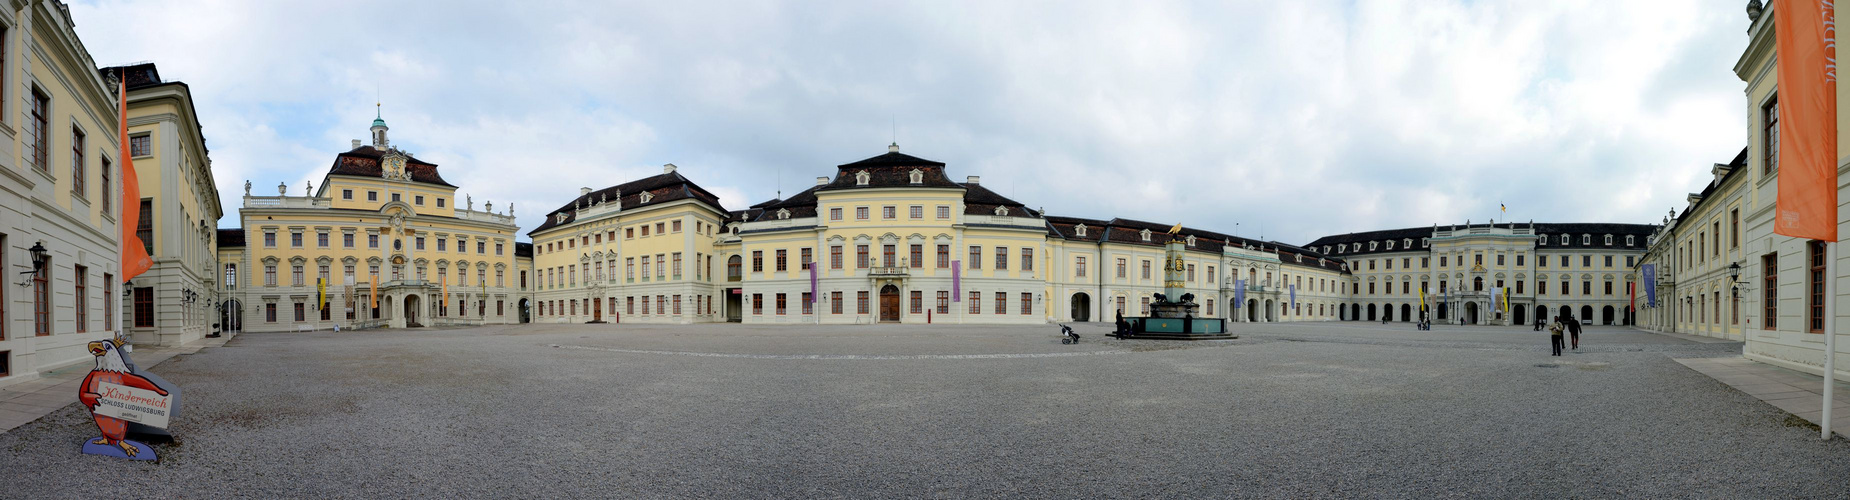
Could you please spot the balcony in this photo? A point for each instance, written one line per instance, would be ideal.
(887, 271)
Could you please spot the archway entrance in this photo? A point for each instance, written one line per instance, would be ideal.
(889, 304)
(1470, 313)
(1355, 312)
(522, 310)
(231, 316)
(1269, 312)
(1082, 307)
(735, 307)
(1521, 318)
(411, 311)
(1252, 312)
(1606, 316)
(1406, 312)
(1371, 315)
(1342, 313)
(1442, 310)
(1387, 312)
(1568, 312)
(1541, 313)
(1586, 314)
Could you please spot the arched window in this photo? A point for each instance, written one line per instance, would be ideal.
(1477, 284)
(733, 266)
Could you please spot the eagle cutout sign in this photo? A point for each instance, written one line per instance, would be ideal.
(121, 399)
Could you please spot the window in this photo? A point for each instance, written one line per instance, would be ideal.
(1002, 303)
(645, 234)
(944, 302)
(889, 212)
(834, 302)
(1079, 266)
(860, 213)
(976, 302)
(346, 194)
(1146, 305)
(808, 304)
(1586, 261)
(917, 259)
(269, 313)
(1146, 269)
(269, 275)
(1608, 288)
(860, 302)
(1027, 259)
(781, 259)
(976, 258)
(372, 196)
(397, 197)
(835, 257)
(77, 166)
(41, 143)
(144, 228)
(780, 304)
(106, 191)
(295, 274)
(757, 304)
(144, 308)
(918, 302)
(418, 200)
(916, 211)
(1815, 255)
(81, 299)
(1002, 258)
(1027, 303)
(804, 264)
(860, 257)
(944, 212)
(140, 145)
(1499, 259)
(420, 242)
(675, 225)
(1769, 136)
(1586, 288)
(1734, 228)
(835, 213)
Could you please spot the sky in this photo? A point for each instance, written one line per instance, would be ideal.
(1278, 120)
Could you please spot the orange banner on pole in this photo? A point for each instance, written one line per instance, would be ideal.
(373, 279)
(1806, 40)
(134, 257)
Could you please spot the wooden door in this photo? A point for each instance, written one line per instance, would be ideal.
(889, 304)
(597, 311)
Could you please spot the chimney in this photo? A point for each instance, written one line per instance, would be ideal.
(583, 191)
(356, 144)
(668, 168)
(822, 181)
(974, 179)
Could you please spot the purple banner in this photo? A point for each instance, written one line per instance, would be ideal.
(1650, 286)
(814, 294)
(1239, 294)
(957, 281)
(1294, 300)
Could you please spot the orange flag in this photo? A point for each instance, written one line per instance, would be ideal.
(1807, 47)
(134, 258)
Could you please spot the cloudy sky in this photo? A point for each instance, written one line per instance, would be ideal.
(1298, 119)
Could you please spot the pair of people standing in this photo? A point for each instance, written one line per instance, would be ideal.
(1563, 325)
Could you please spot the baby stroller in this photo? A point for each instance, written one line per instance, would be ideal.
(1067, 336)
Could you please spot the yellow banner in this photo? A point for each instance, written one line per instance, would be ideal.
(321, 293)
(373, 281)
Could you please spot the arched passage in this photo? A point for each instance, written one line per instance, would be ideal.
(1586, 316)
(411, 311)
(522, 310)
(1406, 314)
(1442, 312)
(1606, 317)
(1270, 314)
(1372, 313)
(1082, 307)
(1568, 312)
(1470, 313)
(1541, 314)
(1521, 319)
(231, 316)
(1252, 312)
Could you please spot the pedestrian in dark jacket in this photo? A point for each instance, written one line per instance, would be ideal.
(1573, 330)
(1554, 335)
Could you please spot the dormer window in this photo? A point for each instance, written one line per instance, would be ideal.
(1079, 230)
(558, 218)
(1425, 243)
(1326, 249)
(783, 214)
(1300, 258)
(1191, 240)
(918, 176)
(646, 196)
(1002, 210)
(861, 178)
(1608, 240)
(1145, 234)
(1407, 243)
(1565, 240)
(1390, 245)
(1372, 245)
(1586, 239)
(1629, 240)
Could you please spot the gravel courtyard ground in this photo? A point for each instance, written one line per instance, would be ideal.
(731, 411)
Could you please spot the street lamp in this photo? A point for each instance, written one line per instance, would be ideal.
(38, 263)
(1734, 279)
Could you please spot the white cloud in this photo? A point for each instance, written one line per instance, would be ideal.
(1312, 117)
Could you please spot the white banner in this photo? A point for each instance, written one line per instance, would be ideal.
(135, 405)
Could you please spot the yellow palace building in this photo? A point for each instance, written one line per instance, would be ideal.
(382, 242)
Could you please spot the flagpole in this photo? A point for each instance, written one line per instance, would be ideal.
(1830, 336)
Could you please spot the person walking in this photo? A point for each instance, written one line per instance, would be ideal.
(1573, 331)
(1554, 335)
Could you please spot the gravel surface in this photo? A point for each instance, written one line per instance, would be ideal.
(731, 411)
